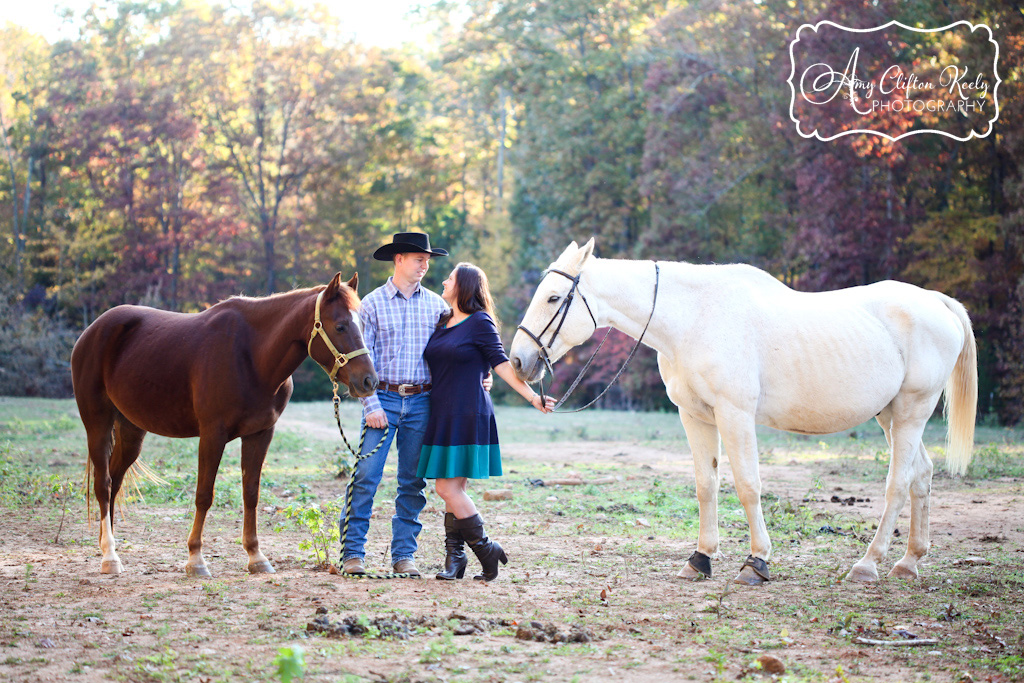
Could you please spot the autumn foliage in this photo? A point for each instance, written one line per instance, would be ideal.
(176, 153)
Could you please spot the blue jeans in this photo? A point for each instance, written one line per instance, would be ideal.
(408, 417)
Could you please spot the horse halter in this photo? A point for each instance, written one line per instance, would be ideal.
(340, 359)
(563, 308)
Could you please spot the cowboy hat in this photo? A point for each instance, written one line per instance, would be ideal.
(406, 242)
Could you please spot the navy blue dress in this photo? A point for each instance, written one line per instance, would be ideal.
(462, 438)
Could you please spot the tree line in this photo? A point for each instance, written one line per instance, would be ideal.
(180, 152)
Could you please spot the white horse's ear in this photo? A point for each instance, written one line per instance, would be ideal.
(582, 254)
(569, 251)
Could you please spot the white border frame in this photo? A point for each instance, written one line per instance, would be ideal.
(815, 134)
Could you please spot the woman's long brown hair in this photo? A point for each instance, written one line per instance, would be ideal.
(472, 293)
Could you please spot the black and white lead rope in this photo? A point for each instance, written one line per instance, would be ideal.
(351, 485)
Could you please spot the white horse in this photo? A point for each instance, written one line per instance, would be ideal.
(737, 348)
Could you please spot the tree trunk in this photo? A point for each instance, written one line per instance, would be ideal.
(503, 117)
(269, 257)
(19, 220)
(20, 246)
(175, 262)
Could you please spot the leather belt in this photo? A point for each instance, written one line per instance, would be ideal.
(404, 389)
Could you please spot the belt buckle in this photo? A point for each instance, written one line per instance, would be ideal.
(403, 389)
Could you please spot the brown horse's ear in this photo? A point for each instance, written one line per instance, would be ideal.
(333, 290)
(354, 282)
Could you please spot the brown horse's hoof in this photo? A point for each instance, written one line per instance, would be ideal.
(263, 567)
(748, 577)
(900, 571)
(197, 570)
(861, 574)
(111, 567)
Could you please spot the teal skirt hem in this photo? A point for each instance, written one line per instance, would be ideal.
(472, 461)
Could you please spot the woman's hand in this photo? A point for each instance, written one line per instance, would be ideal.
(546, 406)
(504, 371)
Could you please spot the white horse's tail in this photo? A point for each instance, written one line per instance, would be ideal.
(961, 396)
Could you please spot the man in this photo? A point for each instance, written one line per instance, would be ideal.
(398, 319)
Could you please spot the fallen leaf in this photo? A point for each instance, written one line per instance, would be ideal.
(771, 665)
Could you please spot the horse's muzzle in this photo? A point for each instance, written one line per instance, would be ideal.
(363, 385)
(528, 366)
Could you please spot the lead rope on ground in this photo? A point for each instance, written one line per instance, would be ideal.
(351, 485)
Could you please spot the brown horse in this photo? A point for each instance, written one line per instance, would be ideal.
(221, 374)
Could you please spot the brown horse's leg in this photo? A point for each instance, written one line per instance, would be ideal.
(127, 446)
(254, 452)
(98, 426)
(211, 449)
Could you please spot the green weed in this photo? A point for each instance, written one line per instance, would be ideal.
(290, 663)
(437, 650)
(320, 521)
(992, 461)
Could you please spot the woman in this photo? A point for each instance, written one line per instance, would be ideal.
(461, 441)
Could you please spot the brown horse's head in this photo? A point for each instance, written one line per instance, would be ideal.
(338, 314)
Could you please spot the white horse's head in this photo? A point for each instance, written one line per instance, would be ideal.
(558, 318)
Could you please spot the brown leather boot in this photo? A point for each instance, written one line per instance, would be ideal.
(406, 567)
(487, 551)
(455, 557)
(354, 566)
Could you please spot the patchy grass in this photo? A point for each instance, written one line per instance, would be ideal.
(600, 556)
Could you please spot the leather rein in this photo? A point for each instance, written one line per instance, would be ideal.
(563, 309)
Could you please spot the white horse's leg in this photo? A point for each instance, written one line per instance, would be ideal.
(704, 444)
(884, 420)
(905, 437)
(738, 432)
(920, 498)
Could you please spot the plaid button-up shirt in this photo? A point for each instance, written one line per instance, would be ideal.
(396, 331)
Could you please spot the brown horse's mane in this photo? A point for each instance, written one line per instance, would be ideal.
(246, 302)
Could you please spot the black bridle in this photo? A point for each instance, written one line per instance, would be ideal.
(563, 309)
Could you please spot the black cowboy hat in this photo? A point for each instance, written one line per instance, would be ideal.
(406, 242)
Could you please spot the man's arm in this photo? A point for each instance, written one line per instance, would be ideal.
(372, 411)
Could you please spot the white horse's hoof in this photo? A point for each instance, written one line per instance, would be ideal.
(748, 577)
(111, 567)
(688, 573)
(901, 571)
(861, 574)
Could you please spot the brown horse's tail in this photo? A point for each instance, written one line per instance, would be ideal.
(137, 472)
(961, 396)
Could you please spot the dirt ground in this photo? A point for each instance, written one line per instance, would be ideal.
(569, 578)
